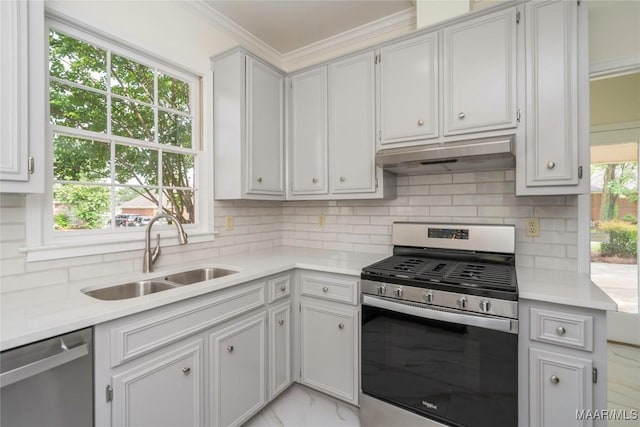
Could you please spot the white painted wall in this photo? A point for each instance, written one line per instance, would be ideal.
(614, 31)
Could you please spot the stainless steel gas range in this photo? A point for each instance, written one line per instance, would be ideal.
(439, 336)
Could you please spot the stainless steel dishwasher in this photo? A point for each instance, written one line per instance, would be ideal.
(48, 383)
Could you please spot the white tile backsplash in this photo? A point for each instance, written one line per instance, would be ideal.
(350, 225)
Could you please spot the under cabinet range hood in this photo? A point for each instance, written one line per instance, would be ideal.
(472, 155)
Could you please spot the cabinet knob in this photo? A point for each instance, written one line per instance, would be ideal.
(551, 165)
(283, 288)
(230, 348)
(461, 115)
(186, 371)
(259, 179)
(341, 326)
(560, 330)
(343, 179)
(325, 289)
(280, 322)
(554, 379)
(315, 180)
(420, 122)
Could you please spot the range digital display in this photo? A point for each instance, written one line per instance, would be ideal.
(448, 233)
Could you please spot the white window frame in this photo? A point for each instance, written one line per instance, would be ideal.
(43, 243)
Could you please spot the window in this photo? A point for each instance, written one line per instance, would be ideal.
(124, 142)
(123, 137)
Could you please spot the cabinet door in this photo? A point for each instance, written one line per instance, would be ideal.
(279, 348)
(352, 125)
(166, 390)
(265, 141)
(22, 96)
(329, 349)
(560, 387)
(408, 90)
(552, 99)
(480, 74)
(238, 373)
(309, 132)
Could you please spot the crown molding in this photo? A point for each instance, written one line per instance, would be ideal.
(238, 33)
(374, 32)
(368, 34)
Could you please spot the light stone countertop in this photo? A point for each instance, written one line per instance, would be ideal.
(562, 287)
(35, 314)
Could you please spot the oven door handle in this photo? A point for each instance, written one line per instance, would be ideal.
(505, 325)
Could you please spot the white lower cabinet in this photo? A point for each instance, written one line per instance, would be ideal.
(562, 359)
(279, 348)
(238, 371)
(163, 390)
(329, 348)
(560, 388)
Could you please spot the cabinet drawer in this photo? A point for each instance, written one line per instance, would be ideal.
(146, 332)
(279, 287)
(566, 329)
(333, 288)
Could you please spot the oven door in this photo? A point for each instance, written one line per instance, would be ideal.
(455, 368)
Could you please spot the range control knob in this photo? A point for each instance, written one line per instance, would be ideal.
(428, 297)
(398, 292)
(485, 306)
(462, 302)
(382, 290)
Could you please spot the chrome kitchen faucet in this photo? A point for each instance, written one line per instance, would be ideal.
(150, 257)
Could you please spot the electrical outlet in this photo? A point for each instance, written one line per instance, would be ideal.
(532, 227)
(228, 223)
(321, 220)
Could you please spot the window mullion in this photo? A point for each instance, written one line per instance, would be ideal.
(156, 138)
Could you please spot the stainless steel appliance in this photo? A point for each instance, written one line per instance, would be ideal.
(48, 383)
(439, 338)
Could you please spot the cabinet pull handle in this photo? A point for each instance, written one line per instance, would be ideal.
(420, 122)
(343, 179)
(461, 115)
(259, 179)
(560, 330)
(554, 379)
(325, 289)
(186, 371)
(314, 180)
(230, 348)
(341, 326)
(283, 288)
(280, 322)
(551, 165)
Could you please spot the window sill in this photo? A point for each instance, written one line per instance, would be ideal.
(132, 243)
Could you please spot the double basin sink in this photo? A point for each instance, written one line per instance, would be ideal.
(158, 284)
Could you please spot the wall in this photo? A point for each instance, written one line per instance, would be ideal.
(481, 197)
(257, 226)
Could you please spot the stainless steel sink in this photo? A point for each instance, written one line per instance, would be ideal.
(159, 284)
(131, 290)
(199, 275)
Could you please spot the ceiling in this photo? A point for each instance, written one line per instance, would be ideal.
(290, 25)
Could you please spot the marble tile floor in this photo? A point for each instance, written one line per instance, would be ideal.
(299, 406)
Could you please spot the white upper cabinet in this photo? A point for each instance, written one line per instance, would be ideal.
(22, 97)
(408, 90)
(480, 74)
(309, 166)
(352, 125)
(557, 91)
(248, 112)
(264, 129)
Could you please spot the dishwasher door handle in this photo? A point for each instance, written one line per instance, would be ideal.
(39, 366)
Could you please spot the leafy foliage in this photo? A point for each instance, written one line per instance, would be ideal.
(623, 239)
(89, 204)
(79, 99)
(619, 182)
